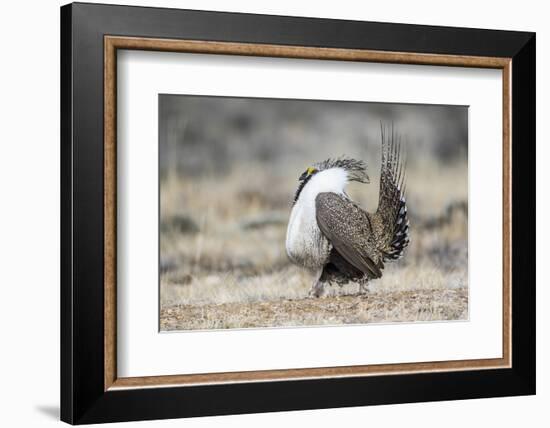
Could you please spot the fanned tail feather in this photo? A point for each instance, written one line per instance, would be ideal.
(392, 206)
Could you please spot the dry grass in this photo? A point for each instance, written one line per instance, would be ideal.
(381, 306)
(223, 260)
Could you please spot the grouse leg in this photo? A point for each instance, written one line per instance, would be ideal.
(363, 285)
(318, 286)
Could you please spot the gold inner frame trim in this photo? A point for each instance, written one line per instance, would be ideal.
(113, 43)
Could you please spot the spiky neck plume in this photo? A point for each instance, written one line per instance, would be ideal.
(345, 169)
(356, 169)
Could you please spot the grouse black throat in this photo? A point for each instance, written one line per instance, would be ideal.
(301, 187)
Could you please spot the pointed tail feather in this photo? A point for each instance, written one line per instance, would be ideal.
(393, 233)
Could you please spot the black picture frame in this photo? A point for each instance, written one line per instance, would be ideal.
(83, 398)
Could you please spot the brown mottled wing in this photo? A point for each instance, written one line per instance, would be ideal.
(390, 222)
(349, 230)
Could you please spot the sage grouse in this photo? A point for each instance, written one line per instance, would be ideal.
(330, 234)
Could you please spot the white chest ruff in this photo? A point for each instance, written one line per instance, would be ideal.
(305, 244)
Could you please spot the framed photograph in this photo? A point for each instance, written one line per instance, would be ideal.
(265, 213)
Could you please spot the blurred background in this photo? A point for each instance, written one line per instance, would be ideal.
(229, 168)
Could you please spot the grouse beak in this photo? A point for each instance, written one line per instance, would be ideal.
(303, 176)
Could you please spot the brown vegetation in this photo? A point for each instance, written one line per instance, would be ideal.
(380, 306)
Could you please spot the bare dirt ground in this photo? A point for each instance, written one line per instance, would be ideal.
(396, 306)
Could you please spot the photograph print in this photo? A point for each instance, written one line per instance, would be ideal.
(292, 213)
